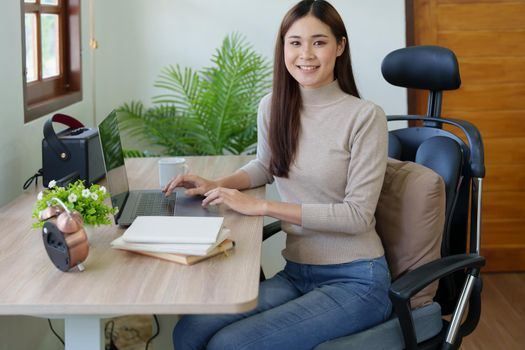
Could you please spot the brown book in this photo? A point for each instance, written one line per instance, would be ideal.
(222, 248)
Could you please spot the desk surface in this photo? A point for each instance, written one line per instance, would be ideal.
(118, 282)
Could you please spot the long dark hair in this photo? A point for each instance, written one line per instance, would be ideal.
(286, 97)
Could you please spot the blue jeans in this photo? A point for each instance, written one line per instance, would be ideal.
(299, 308)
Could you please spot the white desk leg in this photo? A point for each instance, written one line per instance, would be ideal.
(84, 333)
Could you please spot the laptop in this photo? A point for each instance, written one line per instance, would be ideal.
(139, 202)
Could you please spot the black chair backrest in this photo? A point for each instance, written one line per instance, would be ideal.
(432, 68)
(435, 69)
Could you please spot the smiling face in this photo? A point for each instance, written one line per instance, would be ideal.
(310, 51)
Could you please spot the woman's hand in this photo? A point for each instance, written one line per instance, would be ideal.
(195, 185)
(236, 200)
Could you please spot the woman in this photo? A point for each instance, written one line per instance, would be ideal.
(326, 150)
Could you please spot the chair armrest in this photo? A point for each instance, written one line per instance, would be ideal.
(271, 229)
(412, 282)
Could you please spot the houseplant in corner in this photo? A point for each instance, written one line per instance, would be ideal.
(207, 112)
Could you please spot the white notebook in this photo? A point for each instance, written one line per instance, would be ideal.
(198, 249)
(174, 229)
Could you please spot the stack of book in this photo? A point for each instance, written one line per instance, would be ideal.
(181, 239)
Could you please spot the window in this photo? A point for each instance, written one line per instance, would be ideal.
(51, 55)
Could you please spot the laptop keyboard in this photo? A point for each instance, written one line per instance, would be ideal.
(154, 203)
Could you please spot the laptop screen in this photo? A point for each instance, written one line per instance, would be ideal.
(117, 179)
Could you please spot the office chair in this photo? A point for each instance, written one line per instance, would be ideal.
(421, 151)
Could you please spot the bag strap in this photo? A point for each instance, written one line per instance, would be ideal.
(51, 137)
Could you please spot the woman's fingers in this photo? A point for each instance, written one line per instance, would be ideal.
(220, 195)
(213, 198)
(210, 197)
(194, 185)
(186, 181)
(195, 191)
(216, 201)
(170, 186)
(235, 199)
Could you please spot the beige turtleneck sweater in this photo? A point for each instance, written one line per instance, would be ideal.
(336, 176)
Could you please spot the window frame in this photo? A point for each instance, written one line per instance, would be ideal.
(44, 96)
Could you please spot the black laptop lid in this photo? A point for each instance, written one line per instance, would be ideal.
(116, 176)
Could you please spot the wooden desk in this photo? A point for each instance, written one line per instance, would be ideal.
(117, 282)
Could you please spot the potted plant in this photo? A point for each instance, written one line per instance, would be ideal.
(208, 112)
(89, 202)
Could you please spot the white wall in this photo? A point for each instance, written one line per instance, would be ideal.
(20, 157)
(158, 33)
(20, 144)
(139, 37)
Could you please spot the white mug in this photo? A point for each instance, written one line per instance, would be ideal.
(170, 168)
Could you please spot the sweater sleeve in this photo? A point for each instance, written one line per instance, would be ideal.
(258, 169)
(368, 157)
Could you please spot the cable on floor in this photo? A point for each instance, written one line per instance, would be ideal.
(111, 345)
(54, 332)
(156, 333)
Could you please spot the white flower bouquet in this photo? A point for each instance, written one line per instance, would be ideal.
(89, 202)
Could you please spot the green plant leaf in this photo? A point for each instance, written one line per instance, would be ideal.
(211, 111)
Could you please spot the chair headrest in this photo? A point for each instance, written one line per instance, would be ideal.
(432, 68)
